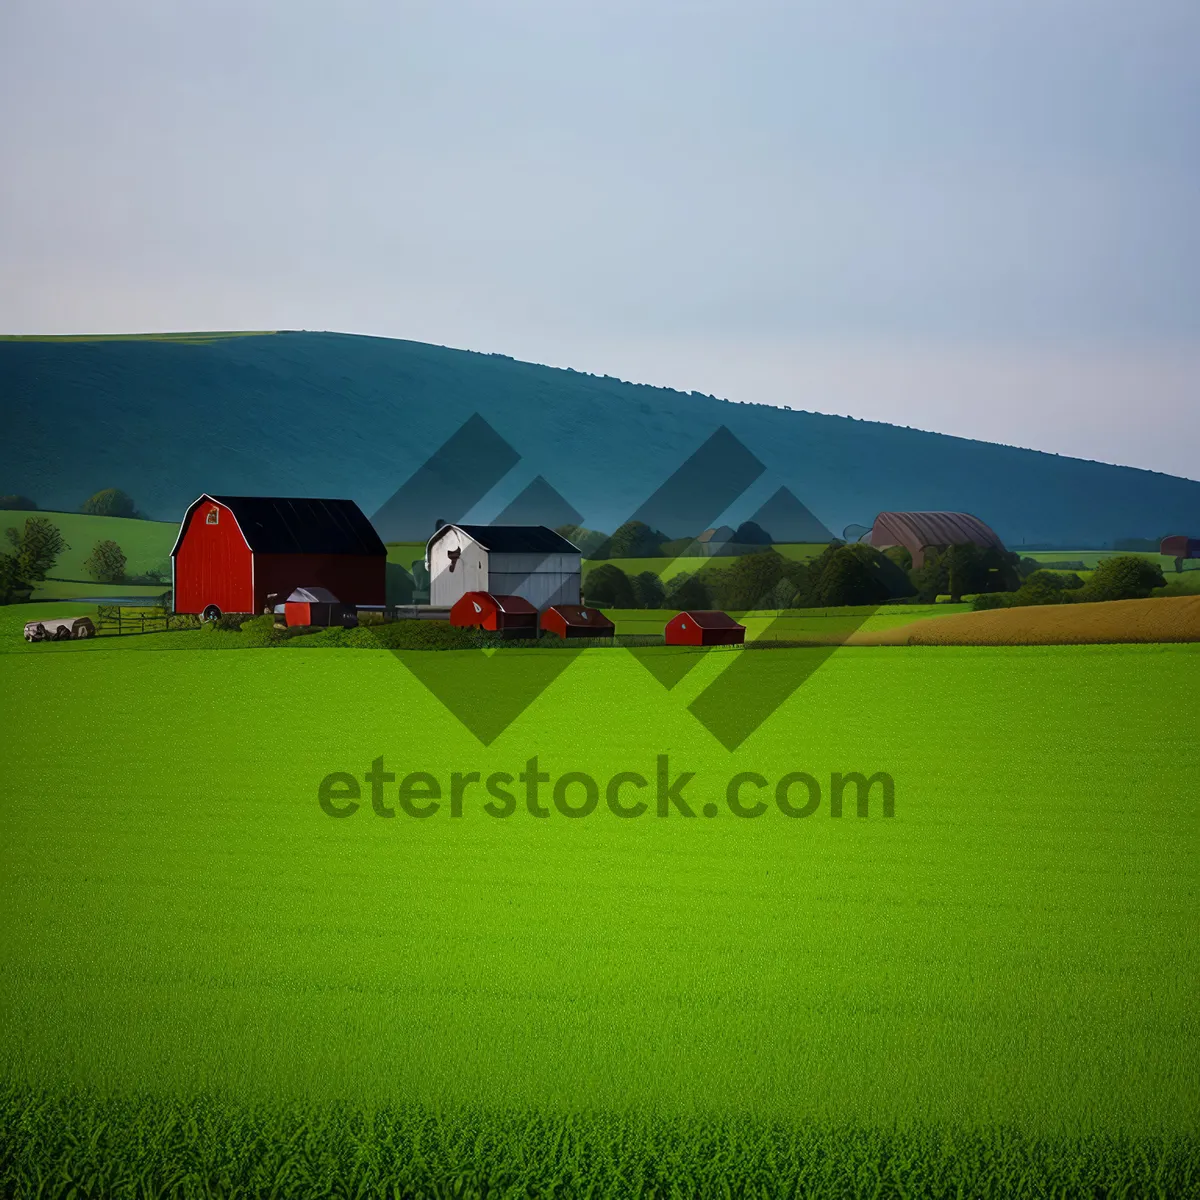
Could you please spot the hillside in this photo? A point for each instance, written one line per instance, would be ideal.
(168, 417)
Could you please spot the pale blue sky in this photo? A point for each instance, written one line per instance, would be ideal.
(975, 216)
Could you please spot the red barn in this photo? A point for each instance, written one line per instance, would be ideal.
(237, 554)
(512, 616)
(704, 629)
(576, 621)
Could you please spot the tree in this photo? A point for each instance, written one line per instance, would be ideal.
(1124, 577)
(688, 591)
(37, 548)
(111, 502)
(846, 577)
(609, 587)
(106, 563)
(588, 540)
(751, 533)
(962, 569)
(849, 574)
(749, 582)
(19, 503)
(648, 590)
(634, 539)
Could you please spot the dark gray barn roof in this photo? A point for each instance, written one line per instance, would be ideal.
(517, 539)
(300, 525)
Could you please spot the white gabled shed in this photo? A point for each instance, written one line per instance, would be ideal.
(530, 561)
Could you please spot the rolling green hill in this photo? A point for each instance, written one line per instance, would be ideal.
(166, 417)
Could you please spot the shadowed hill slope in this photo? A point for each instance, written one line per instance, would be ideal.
(166, 418)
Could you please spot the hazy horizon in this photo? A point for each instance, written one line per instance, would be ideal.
(955, 218)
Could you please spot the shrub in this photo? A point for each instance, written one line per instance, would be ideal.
(262, 631)
(232, 622)
(106, 563)
(989, 600)
(1125, 577)
(413, 635)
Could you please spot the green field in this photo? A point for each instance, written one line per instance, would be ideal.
(147, 545)
(207, 979)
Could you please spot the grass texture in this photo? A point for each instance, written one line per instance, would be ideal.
(212, 987)
(81, 1144)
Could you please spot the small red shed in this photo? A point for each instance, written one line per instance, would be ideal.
(511, 616)
(238, 554)
(704, 629)
(576, 621)
(317, 606)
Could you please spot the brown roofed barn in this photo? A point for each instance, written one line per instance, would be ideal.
(920, 531)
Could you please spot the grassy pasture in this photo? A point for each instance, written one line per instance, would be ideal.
(1008, 966)
(147, 544)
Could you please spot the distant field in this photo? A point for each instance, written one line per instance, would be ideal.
(1007, 966)
(1158, 619)
(1092, 557)
(147, 544)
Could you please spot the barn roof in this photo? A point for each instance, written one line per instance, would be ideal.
(515, 539)
(579, 614)
(709, 620)
(916, 530)
(299, 525)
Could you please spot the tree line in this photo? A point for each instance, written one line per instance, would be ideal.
(109, 502)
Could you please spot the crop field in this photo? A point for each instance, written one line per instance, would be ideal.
(211, 985)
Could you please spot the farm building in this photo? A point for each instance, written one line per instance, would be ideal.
(919, 531)
(316, 606)
(1179, 546)
(249, 553)
(576, 621)
(704, 629)
(512, 616)
(530, 561)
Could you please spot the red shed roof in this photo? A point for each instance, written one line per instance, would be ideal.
(709, 620)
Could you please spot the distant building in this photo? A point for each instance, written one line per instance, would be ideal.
(1179, 546)
(921, 531)
(245, 554)
(530, 561)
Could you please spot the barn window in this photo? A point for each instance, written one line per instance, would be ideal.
(213, 516)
